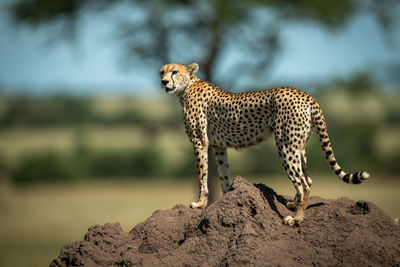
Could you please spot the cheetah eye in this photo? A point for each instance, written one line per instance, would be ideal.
(162, 73)
(174, 72)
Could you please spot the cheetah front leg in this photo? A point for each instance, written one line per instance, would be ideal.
(221, 156)
(201, 155)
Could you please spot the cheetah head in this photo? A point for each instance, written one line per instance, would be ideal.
(176, 77)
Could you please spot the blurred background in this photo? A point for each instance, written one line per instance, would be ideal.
(87, 136)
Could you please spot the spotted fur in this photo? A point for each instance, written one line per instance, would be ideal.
(220, 119)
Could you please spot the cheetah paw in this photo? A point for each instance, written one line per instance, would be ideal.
(197, 205)
(289, 220)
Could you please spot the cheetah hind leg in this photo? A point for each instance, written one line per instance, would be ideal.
(221, 157)
(303, 193)
(295, 172)
(198, 205)
(304, 168)
(293, 204)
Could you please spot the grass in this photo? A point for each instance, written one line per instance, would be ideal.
(18, 141)
(36, 221)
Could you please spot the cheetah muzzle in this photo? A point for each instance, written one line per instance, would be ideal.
(220, 119)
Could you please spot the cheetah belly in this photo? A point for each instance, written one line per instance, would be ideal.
(231, 134)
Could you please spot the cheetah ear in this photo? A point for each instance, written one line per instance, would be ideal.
(193, 68)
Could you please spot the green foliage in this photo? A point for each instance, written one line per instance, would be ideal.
(187, 168)
(3, 168)
(258, 160)
(330, 13)
(57, 110)
(125, 262)
(362, 130)
(144, 162)
(352, 145)
(41, 11)
(49, 110)
(391, 164)
(358, 84)
(48, 167)
(52, 167)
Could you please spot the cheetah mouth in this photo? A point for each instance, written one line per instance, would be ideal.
(169, 89)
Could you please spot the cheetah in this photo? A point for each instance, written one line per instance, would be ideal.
(220, 119)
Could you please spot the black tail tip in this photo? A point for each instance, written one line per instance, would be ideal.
(358, 177)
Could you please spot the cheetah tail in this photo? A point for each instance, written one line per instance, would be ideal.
(350, 178)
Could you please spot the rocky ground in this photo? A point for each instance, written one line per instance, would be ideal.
(245, 227)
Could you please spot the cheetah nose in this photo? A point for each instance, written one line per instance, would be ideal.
(164, 82)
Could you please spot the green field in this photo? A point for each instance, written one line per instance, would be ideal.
(363, 129)
(36, 221)
(59, 136)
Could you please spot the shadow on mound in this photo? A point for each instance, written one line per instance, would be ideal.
(245, 227)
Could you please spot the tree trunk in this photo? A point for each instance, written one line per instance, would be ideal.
(214, 39)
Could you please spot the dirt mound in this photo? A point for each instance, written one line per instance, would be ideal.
(245, 227)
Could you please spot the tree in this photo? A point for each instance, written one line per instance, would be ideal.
(157, 31)
(209, 31)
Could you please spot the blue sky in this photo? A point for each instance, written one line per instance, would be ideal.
(91, 64)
